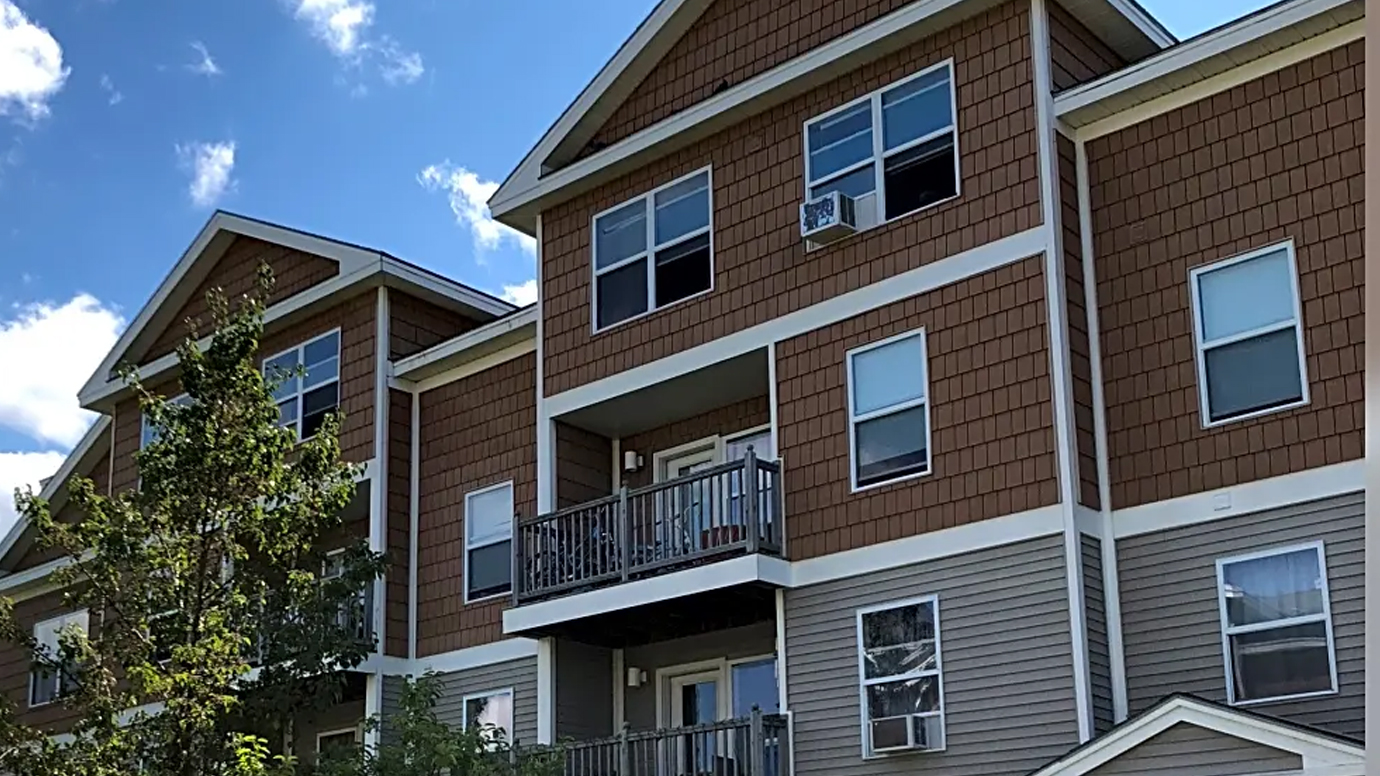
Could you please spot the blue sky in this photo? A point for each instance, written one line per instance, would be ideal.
(124, 123)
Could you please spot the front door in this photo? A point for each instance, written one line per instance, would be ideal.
(696, 700)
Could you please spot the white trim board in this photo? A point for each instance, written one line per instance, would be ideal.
(475, 657)
(953, 269)
(471, 367)
(437, 359)
(1227, 79)
(1257, 496)
(1316, 751)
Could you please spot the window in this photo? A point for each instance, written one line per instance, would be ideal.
(337, 741)
(894, 151)
(899, 673)
(488, 542)
(492, 711)
(1276, 625)
(653, 251)
(1247, 321)
(304, 400)
(45, 684)
(888, 410)
(148, 433)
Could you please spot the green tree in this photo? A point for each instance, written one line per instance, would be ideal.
(205, 585)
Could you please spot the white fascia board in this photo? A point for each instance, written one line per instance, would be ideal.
(445, 287)
(1144, 22)
(474, 657)
(1244, 499)
(435, 359)
(1190, 53)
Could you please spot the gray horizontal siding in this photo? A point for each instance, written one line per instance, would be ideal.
(1008, 668)
(521, 675)
(584, 691)
(1100, 665)
(393, 688)
(1170, 618)
(1186, 749)
(639, 703)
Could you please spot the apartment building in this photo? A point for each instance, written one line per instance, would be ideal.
(946, 386)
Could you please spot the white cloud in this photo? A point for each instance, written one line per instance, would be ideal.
(469, 197)
(49, 351)
(108, 86)
(521, 294)
(210, 165)
(205, 65)
(31, 69)
(18, 470)
(399, 67)
(340, 24)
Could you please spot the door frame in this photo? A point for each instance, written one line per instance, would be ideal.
(716, 445)
(721, 669)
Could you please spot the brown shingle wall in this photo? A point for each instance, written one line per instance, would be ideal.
(992, 417)
(399, 519)
(237, 274)
(733, 41)
(584, 462)
(15, 664)
(1277, 158)
(475, 432)
(731, 419)
(416, 324)
(1076, 55)
(1080, 361)
(762, 270)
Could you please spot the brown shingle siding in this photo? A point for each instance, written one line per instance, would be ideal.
(16, 662)
(237, 274)
(1278, 158)
(416, 324)
(1076, 55)
(992, 416)
(762, 270)
(731, 42)
(399, 519)
(730, 419)
(1080, 361)
(584, 465)
(475, 432)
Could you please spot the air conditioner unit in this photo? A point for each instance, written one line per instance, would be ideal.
(828, 218)
(908, 733)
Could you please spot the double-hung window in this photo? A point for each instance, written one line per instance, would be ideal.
(1276, 624)
(1248, 325)
(900, 677)
(888, 410)
(47, 683)
(492, 711)
(489, 542)
(893, 152)
(307, 396)
(148, 432)
(653, 251)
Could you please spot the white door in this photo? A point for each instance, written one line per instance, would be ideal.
(685, 511)
(696, 699)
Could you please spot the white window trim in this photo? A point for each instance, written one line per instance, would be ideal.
(864, 682)
(354, 731)
(301, 348)
(1227, 631)
(509, 484)
(854, 419)
(1201, 346)
(82, 616)
(512, 704)
(879, 151)
(647, 255)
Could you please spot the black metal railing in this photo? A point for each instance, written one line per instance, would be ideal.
(756, 745)
(731, 509)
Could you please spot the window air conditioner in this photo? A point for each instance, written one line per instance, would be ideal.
(908, 733)
(828, 218)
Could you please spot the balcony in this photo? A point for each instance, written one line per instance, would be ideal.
(730, 510)
(757, 745)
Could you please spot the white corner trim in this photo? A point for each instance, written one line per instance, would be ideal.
(961, 266)
(1340, 36)
(373, 708)
(414, 519)
(406, 368)
(378, 514)
(1315, 750)
(1271, 493)
(475, 657)
(782, 683)
(546, 691)
(737, 571)
(480, 364)
(971, 537)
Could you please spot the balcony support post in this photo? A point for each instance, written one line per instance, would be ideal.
(624, 531)
(751, 495)
(757, 744)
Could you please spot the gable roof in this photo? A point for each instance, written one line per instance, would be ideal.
(1122, 24)
(357, 264)
(1316, 748)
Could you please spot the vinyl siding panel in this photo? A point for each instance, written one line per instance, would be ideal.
(1170, 616)
(1187, 749)
(584, 691)
(1099, 661)
(1007, 661)
(520, 675)
(393, 688)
